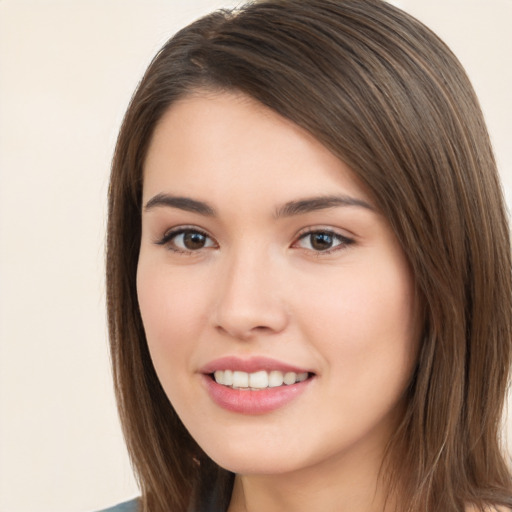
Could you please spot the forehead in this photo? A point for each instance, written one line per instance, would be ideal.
(228, 143)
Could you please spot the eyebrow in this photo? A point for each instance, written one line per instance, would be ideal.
(182, 203)
(289, 209)
(312, 204)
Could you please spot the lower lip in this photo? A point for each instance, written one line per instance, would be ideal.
(246, 401)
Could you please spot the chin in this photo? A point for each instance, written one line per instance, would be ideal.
(242, 466)
(260, 458)
(249, 457)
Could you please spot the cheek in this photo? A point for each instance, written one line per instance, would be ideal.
(173, 309)
(366, 323)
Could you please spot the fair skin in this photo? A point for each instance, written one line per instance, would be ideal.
(257, 242)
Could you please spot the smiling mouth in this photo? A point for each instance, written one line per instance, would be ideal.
(259, 380)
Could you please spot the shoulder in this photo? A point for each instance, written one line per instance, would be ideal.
(127, 506)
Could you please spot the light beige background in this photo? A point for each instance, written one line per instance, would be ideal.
(67, 70)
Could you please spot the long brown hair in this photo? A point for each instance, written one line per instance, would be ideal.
(386, 96)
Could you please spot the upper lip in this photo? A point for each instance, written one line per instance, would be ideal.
(250, 365)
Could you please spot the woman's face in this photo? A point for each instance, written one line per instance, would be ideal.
(278, 306)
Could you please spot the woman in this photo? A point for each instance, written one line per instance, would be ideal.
(308, 269)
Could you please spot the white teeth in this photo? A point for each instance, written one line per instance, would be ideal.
(219, 377)
(289, 378)
(240, 380)
(275, 379)
(257, 380)
(301, 377)
(228, 378)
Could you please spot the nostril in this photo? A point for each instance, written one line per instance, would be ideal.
(240, 333)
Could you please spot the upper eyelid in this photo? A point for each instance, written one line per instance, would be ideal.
(345, 241)
(174, 231)
(324, 229)
(334, 234)
(171, 232)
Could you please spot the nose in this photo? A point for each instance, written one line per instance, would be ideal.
(250, 300)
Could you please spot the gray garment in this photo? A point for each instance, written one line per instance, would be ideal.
(127, 506)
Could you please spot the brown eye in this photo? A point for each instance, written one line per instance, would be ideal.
(194, 240)
(323, 241)
(186, 240)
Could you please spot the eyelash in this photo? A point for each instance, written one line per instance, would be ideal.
(169, 240)
(170, 236)
(344, 241)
